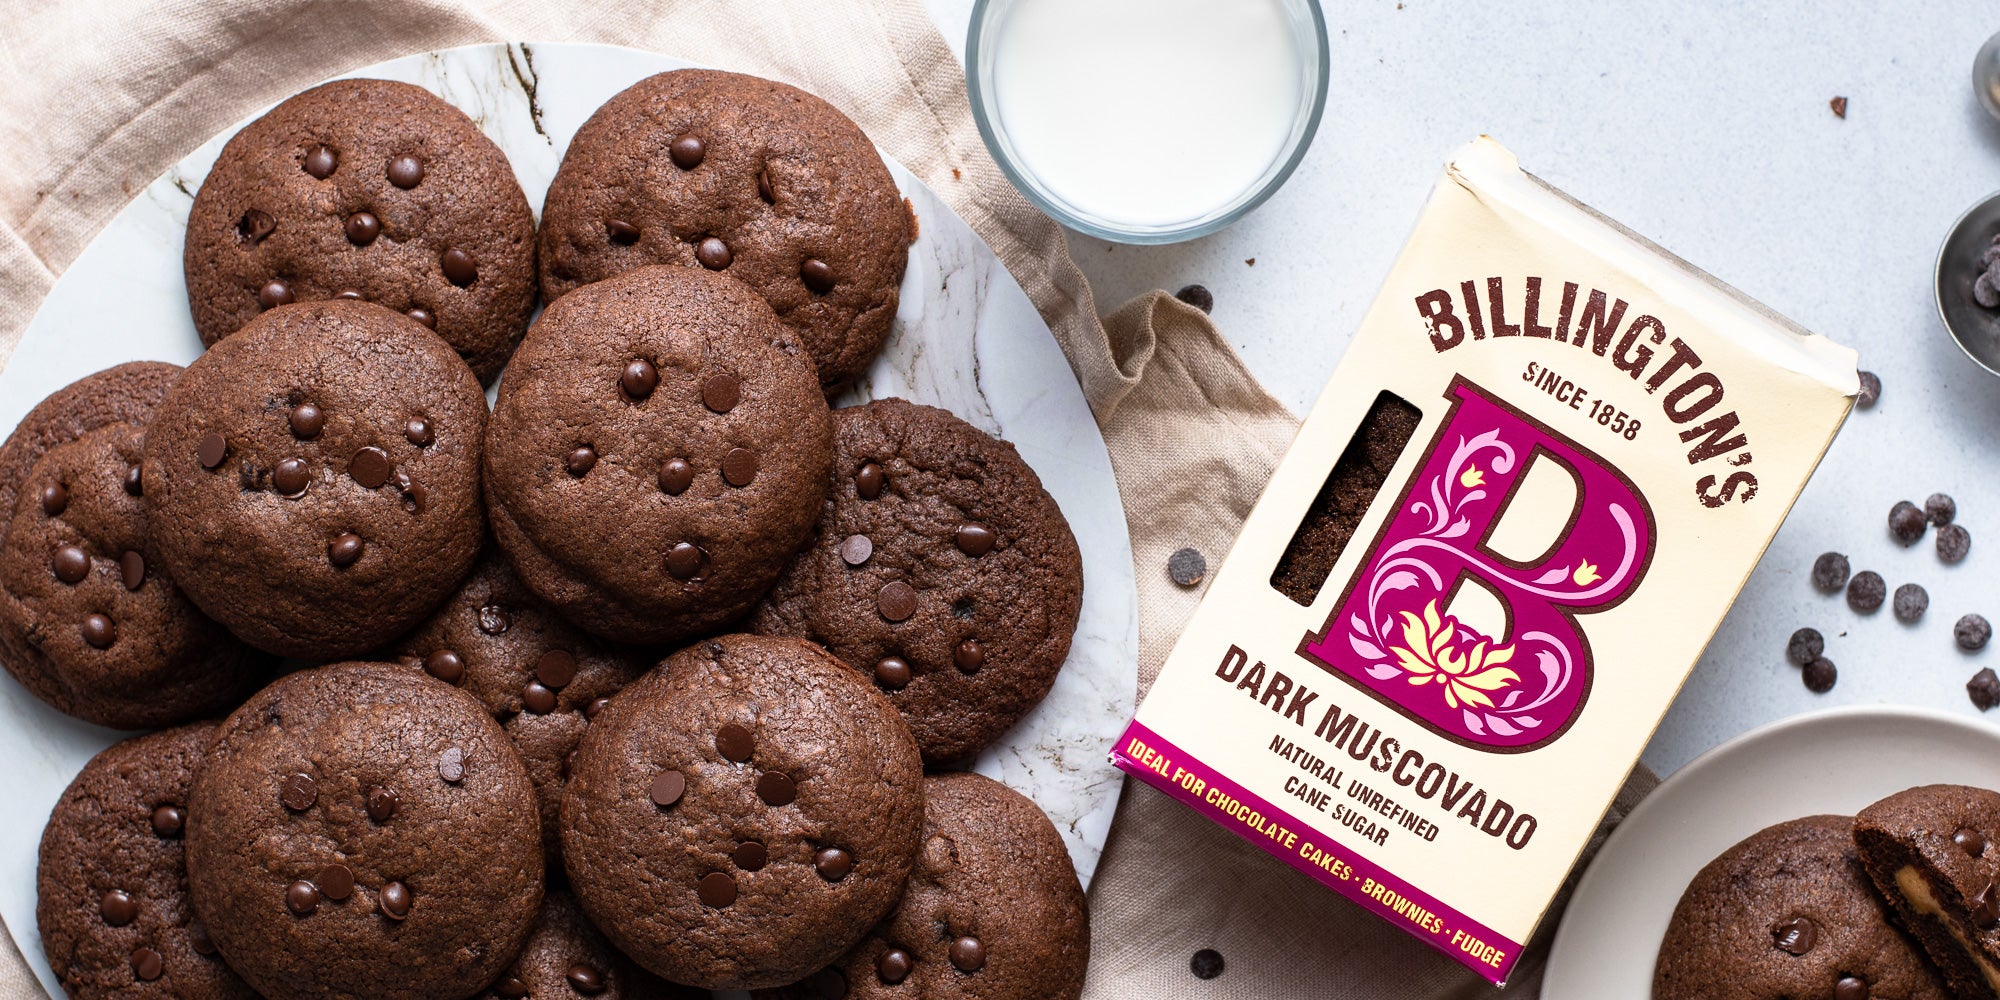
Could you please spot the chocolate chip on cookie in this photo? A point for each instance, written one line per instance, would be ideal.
(748, 177)
(695, 495)
(941, 568)
(91, 621)
(731, 742)
(111, 886)
(287, 499)
(366, 189)
(431, 900)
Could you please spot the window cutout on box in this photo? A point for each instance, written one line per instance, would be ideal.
(1537, 516)
(1344, 498)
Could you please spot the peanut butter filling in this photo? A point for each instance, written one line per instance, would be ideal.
(1917, 889)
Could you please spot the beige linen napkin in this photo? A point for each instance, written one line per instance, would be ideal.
(97, 97)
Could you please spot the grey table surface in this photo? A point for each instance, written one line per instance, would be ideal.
(1706, 127)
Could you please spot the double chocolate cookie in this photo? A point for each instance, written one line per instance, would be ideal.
(741, 816)
(567, 956)
(90, 620)
(760, 181)
(541, 677)
(366, 189)
(314, 478)
(1789, 913)
(361, 830)
(112, 891)
(659, 449)
(121, 394)
(1930, 851)
(941, 569)
(993, 910)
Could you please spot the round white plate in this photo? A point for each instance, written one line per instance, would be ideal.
(967, 339)
(1835, 761)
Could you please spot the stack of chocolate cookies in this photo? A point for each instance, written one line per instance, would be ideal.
(649, 681)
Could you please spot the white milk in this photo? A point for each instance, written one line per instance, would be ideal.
(1147, 112)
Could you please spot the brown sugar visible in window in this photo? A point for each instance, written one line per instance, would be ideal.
(1344, 498)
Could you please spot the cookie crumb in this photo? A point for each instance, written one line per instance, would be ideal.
(1984, 689)
(1250, 261)
(1839, 106)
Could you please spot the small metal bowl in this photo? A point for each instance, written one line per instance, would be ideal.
(1975, 327)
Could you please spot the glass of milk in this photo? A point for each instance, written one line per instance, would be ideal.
(1147, 121)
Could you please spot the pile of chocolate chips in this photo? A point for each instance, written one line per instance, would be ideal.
(1986, 287)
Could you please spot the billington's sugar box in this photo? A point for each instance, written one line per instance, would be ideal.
(1542, 471)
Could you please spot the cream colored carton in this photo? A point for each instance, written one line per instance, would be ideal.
(1433, 721)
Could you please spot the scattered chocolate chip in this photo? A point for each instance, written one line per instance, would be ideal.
(255, 225)
(968, 955)
(459, 267)
(135, 481)
(1795, 936)
(494, 619)
(1839, 108)
(1804, 646)
(291, 477)
(739, 467)
(335, 881)
(199, 940)
(817, 275)
(298, 792)
(362, 228)
(422, 315)
(1910, 603)
(687, 151)
(1971, 841)
(735, 743)
(1953, 542)
(212, 449)
(591, 710)
(1984, 689)
(1187, 567)
(833, 864)
(321, 161)
(585, 979)
(855, 549)
(147, 964)
(1984, 908)
(1819, 675)
(70, 564)
(1866, 592)
(1206, 963)
(538, 699)
(676, 475)
(1871, 390)
(55, 499)
(667, 788)
(968, 656)
(556, 668)
(118, 908)
(776, 789)
(713, 254)
(99, 631)
(1972, 632)
(302, 898)
(894, 966)
(1197, 296)
(580, 460)
(716, 889)
(1849, 987)
(974, 539)
(445, 665)
(1940, 509)
(750, 856)
(306, 421)
(394, 900)
(684, 560)
(406, 171)
(897, 601)
(621, 232)
(1906, 522)
(370, 467)
(892, 672)
(345, 550)
(721, 392)
(168, 820)
(381, 804)
(869, 480)
(275, 293)
(451, 765)
(639, 378)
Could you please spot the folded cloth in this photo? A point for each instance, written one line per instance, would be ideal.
(100, 96)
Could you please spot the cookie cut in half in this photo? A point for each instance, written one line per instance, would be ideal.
(1930, 851)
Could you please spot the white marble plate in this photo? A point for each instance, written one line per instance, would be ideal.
(966, 339)
(1833, 761)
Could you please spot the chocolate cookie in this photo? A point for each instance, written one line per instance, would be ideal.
(658, 451)
(112, 890)
(763, 182)
(993, 910)
(941, 569)
(90, 621)
(1785, 914)
(314, 479)
(1930, 852)
(567, 956)
(121, 394)
(540, 676)
(366, 189)
(779, 801)
(360, 830)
